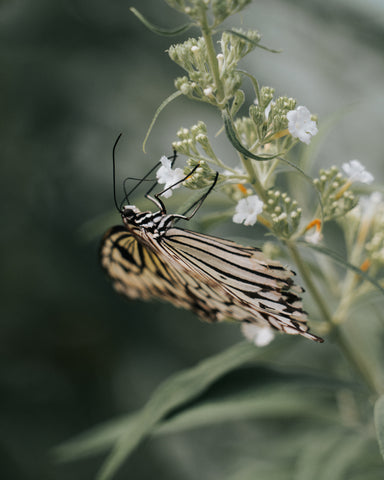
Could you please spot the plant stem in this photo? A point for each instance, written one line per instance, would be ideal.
(309, 283)
(253, 178)
(345, 346)
(212, 60)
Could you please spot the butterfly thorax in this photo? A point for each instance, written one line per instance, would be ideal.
(144, 224)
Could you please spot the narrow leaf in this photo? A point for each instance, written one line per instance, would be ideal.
(253, 42)
(157, 113)
(239, 393)
(316, 448)
(379, 423)
(254, 83)
(341, 261)
(94, 441)
(158, 30)
(344, 457)
(232, 136)
(277, 402)
(174, 392)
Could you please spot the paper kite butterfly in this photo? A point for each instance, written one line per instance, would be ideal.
(149, 258)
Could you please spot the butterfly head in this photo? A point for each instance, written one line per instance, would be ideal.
(129, 212)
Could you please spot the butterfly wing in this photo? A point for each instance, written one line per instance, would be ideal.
(215, 278)
(252, 288)
(140, 272)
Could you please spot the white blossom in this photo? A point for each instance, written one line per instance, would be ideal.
(300, 124)
(371, 208)
(371, 203)
(314, 237)
(356, 172)
(260, 336)
(247, 210)
(168, 176)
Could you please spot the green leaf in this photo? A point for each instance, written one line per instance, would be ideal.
(94, 441)
(379, 423)
(254, 83)
(260, 470)
(247, 39)
(172, 393)
(232, 136)
(341, 261)
(157, 113)
(158, 30)
(175, 391)
(334, 453)
(344, 457)
(245, 393)
(277, 402)
(316, 447)
(363, 336)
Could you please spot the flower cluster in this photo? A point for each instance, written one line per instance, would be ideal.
(192, 140)
(283, 213)
(336, 199)
(272, 119)
(202, 175)
(201, 84)
(369, 217)
(262, 138)
(221, 9)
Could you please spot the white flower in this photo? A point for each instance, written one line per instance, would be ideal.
(369, 204)
(371, 208)
(169, 177)
(356, 172)
(247, 210)
(314, 237)
(260, 336)
(300, 124)
(208, 91)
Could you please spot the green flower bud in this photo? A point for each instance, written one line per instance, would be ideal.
(336, 202)
(202, 177)
(283, 213)
(224, 8)
(257, 114)
(266, 96)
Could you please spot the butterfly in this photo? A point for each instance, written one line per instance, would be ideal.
(149, 258)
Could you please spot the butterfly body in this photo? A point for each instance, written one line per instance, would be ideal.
(148, 258)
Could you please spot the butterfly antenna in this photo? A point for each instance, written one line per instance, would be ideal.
(140, 181)
(114, 172)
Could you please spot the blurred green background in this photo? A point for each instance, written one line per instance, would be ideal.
(74, 74)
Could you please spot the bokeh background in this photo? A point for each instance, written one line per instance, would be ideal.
(74, 74)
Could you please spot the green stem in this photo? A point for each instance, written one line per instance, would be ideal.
(345, 346)
(253, 178)
(356, 361)
(309, 283)
(271, 170)
(212, 60)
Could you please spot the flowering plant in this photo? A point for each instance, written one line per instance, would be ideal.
(265, 140)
